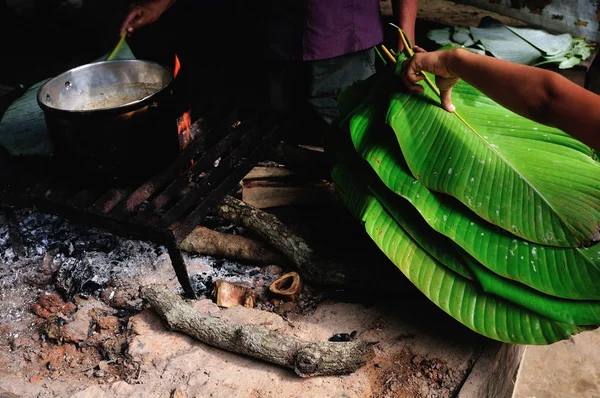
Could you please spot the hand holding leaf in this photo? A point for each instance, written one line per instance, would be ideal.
(436, 63)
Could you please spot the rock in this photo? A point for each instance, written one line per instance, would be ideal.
(77, 330)
(114, 346)
(121, 388)
(109, 323)
(90, 392)
(153, 340)
(103, 365)
(50, 303)
(177, 393)
(122, 298)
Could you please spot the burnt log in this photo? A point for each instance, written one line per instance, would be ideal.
(307, 358)
(218, 244)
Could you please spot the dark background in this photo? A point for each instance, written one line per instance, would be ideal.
(218, 46)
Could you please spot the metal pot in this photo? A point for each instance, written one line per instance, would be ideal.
(111, 119)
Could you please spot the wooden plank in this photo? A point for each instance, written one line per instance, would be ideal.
(266, 187)
(494, 373)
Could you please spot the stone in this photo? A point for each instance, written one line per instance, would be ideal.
(90, 392)
(121, 388)
(177, 393)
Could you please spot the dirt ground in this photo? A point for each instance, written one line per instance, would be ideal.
(108, 344)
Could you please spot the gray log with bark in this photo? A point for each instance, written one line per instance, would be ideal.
(305, 357)
(311, 266)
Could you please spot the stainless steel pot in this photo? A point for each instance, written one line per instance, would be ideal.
(111, 119)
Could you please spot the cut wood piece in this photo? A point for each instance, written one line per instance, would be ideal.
(218, 244)
(266, 187)
(303, 159)
(307, 358)
(229, 294)
(287, 287)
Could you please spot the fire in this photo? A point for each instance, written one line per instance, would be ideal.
(183, 129)
(177, 66)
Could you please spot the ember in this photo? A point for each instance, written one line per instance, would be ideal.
(183, 130)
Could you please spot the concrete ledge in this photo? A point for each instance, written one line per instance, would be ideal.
(494, 373)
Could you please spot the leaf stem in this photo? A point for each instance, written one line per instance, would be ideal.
(116, 49)
(410, 52)
(388, 53)
(380, 56)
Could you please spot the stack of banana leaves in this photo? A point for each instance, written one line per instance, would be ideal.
(492, 216)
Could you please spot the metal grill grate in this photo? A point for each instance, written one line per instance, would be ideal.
(167, 206)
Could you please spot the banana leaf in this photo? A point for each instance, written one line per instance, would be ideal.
(572, 273)
(484, 313)
(23, 127)
(504, 44)
(547, 43)
(533, 181)
(440, 247)
(577, 312)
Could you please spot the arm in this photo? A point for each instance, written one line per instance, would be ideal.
(141, 14)
(534, 93)
(405, 14)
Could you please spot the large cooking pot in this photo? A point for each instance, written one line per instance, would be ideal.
(111, 120)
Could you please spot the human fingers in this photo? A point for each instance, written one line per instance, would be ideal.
(129, 24)
(446, 97)
(410, 75)
(445, 85)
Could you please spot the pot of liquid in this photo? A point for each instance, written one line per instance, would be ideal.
(111, 120)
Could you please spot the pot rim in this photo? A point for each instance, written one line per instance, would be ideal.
(113, 109)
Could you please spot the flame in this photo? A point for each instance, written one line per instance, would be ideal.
(177, 66)
(183, 129)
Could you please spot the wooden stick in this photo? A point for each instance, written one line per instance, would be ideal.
(305, 357)
(218, 244)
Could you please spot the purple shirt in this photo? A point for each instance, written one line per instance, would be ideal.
(310, 30)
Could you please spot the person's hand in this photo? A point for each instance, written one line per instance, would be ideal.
(435, 62)
(141, 14)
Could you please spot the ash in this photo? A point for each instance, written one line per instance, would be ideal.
(76, 259)
(82, 259)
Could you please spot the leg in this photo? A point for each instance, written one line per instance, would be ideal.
(330, 76)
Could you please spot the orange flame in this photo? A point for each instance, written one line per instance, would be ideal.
(183, 129)
(177, 66)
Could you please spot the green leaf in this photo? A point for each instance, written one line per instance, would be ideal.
(504, 44)
(547, 43)
(484, 313)
(562, 272)
(562, 310)
(462, 36)
(440, 36)
(531, 180)
(569, 63)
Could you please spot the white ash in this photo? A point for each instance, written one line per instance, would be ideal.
(85, 260)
